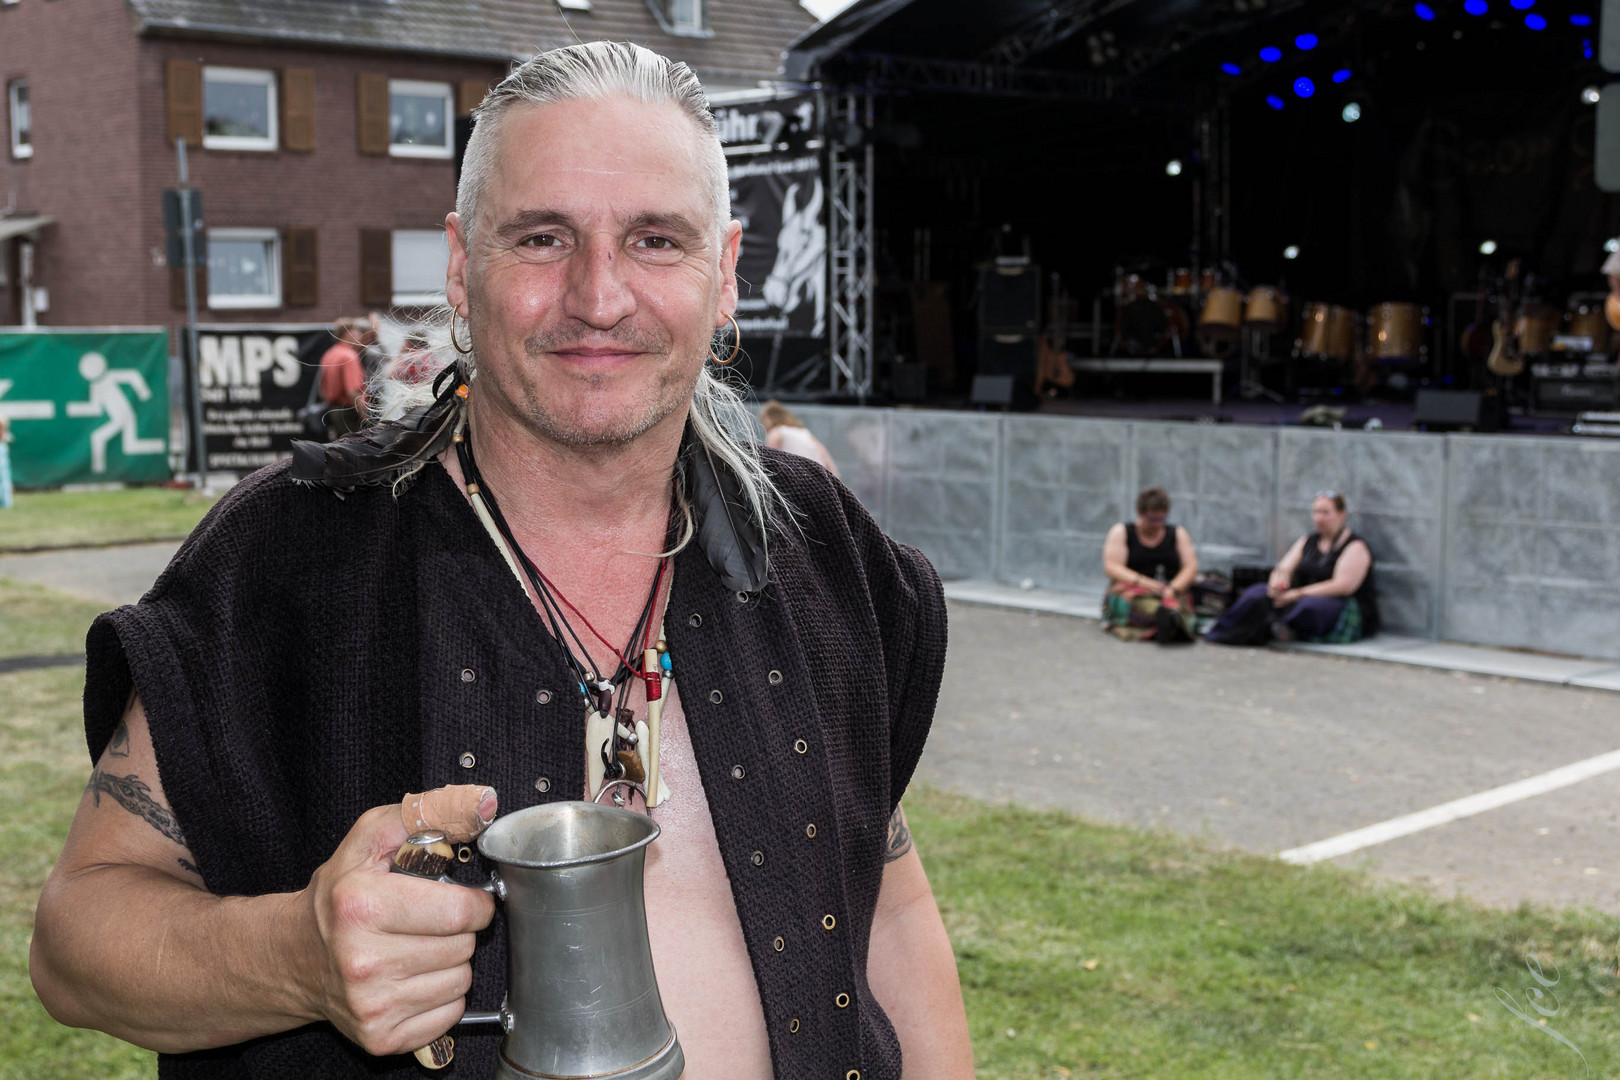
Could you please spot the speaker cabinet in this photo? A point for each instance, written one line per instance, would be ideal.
(1010, 299)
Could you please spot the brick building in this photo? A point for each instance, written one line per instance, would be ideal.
(321, 137)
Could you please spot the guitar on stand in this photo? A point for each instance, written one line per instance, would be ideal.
(1052, 368)
(1506, 359)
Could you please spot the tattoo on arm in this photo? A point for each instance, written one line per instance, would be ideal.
(899, 836)
(118, 746)
(132, 793)
(187, 864)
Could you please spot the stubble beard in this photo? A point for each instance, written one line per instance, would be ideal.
(566, 427)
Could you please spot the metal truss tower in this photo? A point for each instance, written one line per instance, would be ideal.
(851, 247)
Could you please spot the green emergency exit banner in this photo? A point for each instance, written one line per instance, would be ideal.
(86, 406)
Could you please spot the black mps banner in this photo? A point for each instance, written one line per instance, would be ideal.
(254, 380)
(774, 162)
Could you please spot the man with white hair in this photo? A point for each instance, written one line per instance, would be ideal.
(566, 534)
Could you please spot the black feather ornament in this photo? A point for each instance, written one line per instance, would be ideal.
(731, 539)
(380, 454)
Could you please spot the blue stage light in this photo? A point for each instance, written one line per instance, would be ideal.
(1476, 7)
(1231, 68)
(1580, 20)
(1304, 87)
(1424, 12)
(1522, 5)
(1535, 22)
(1586, 48)
(1271, 54)
(1274, 101)
(1342, 75)
(1306, 42)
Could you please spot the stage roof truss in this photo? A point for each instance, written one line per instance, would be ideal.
(1055, 25)
(854, 269)
(890, 72)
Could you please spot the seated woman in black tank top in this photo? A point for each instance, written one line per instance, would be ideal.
(1321, 590)
(1150, 565)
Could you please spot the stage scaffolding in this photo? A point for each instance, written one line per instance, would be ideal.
(852, 251)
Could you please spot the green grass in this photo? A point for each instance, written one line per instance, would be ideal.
(43, 765)
(42, 622)
(55, 519)
(1215, 964)
(1083, 949)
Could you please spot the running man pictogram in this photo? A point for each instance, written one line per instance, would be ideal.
(107, 399)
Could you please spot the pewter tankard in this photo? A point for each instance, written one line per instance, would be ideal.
(582, 999)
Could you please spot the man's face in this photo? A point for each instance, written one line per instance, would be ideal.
(595, 278)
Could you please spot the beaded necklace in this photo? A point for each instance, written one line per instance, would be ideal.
(621, 751)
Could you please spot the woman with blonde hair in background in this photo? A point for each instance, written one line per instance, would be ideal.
(784, 431)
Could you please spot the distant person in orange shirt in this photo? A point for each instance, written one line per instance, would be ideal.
(343, 377)
(784, 431)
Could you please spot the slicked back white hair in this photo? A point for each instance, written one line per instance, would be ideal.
(719, 415)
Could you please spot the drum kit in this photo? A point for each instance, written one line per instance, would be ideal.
(1336, 345)
(1150, 321)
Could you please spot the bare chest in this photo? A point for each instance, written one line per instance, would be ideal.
(704, 974)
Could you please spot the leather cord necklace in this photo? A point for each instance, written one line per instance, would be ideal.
(613, 735)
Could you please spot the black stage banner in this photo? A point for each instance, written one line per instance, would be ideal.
(774, 162)
(254, 380)
(1512, 167)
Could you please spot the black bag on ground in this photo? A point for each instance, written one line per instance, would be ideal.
(1169, 628)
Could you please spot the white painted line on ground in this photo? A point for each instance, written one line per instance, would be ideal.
(1469, 805)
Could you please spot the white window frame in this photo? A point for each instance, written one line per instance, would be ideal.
(242, 77)
(416, 299)
(418, 88)
(18, 124)
(697, 26)
(272, 299)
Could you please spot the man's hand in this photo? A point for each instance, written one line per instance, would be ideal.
(1288, 596)
(392, 952)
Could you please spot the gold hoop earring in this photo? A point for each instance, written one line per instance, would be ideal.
(736, 335)
(453, 342)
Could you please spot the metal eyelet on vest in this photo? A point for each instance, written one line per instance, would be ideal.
(464, 853)
(716, 696)
(543, 785)
(738, 772)
(842, 1001)
(543, 697)
(757, 858)
(810, 831)
(828, 922)
(695, 621)
(774, 678)
(742, 598)
(800, 746)
(793, 1025)
(853, 1074)
(468, 760)
(779, 944)
(468, 674)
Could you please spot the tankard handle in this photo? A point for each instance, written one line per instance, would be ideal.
(429, 855)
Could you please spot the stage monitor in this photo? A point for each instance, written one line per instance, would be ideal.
(1450, 410)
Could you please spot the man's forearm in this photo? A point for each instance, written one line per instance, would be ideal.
(144, 956)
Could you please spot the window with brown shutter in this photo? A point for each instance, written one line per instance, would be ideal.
(300, 275)
(183, 85)
(372, 104)
(177, 286)
(469, 95)
(377, 268)
(298, 109)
